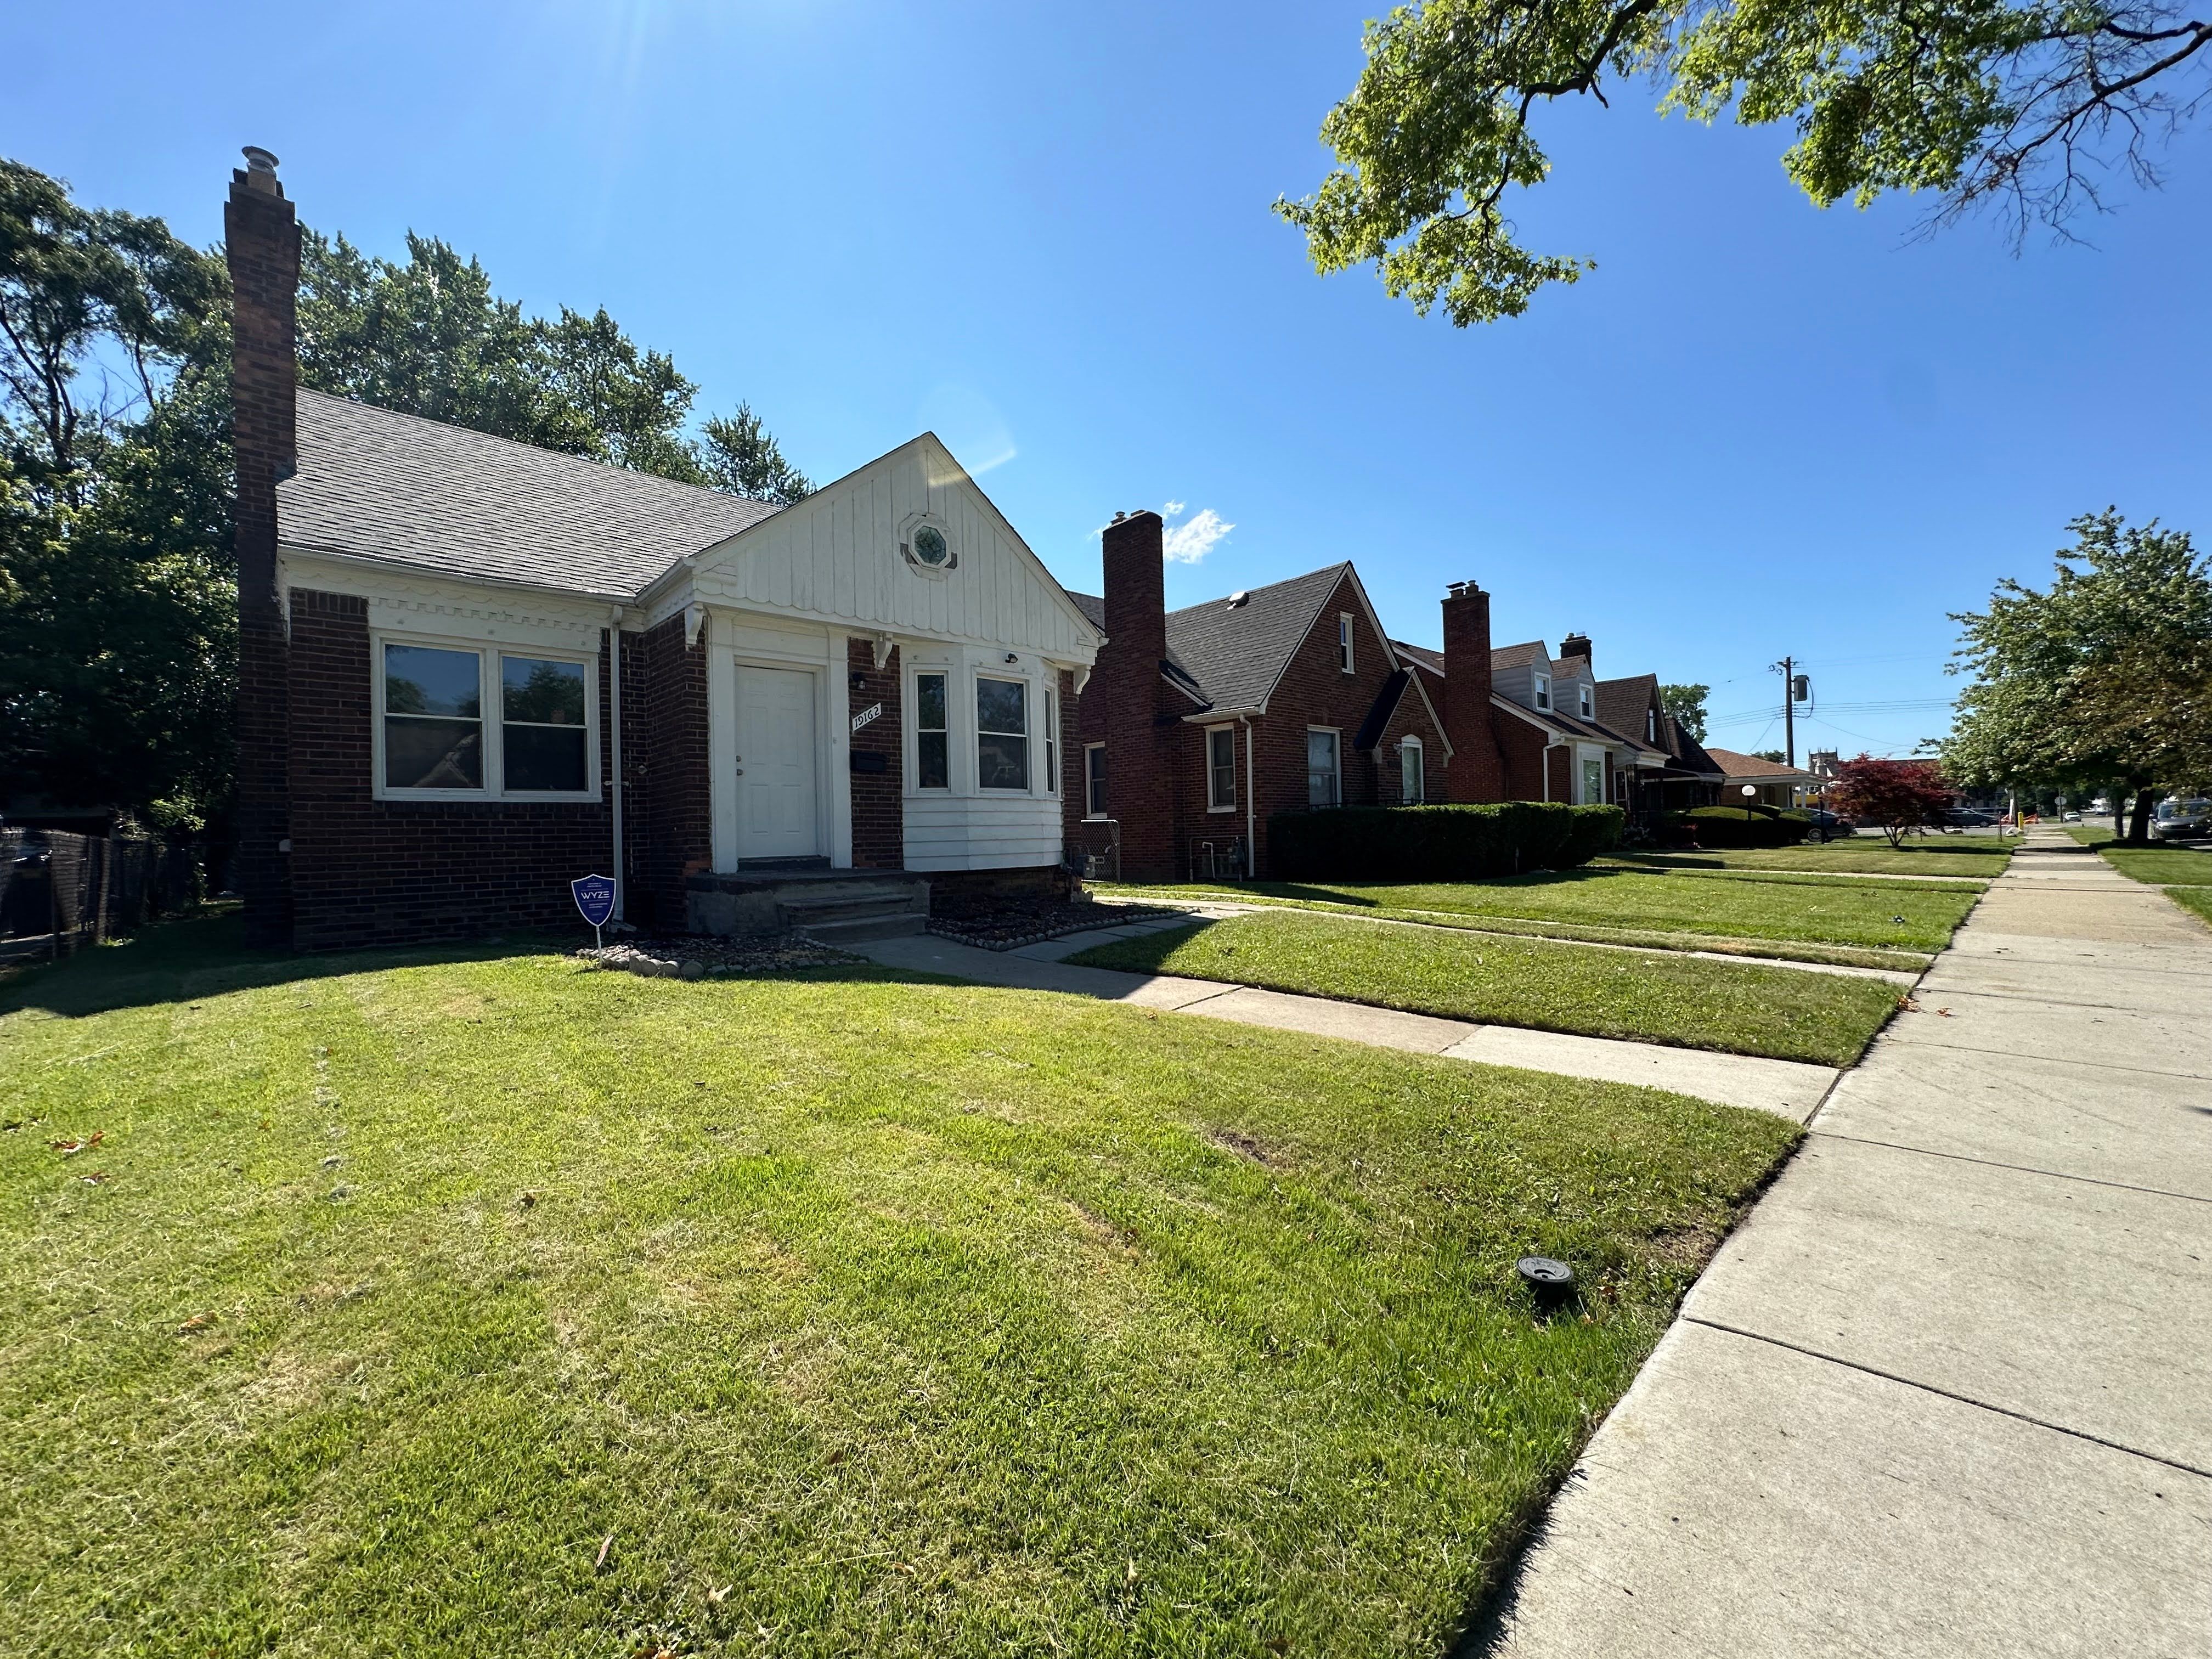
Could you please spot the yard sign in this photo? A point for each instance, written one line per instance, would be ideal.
(595, 898)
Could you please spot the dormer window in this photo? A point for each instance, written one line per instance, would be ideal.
(1587, 703)
(1344, 641)
(1543, 690)
(1651, 725)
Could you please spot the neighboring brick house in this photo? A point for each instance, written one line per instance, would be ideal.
(1557, 734)
(471, 671)
(1200, 724)
(1777, 785)
(1686, 776)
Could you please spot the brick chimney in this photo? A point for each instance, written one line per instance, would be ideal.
(1138, 722)
(1577, 645)
(262, 238)
(1476, 773)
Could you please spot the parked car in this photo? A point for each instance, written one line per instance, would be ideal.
(2182, 820)
(1826, 826)
(2071, 817)
(1967, 818)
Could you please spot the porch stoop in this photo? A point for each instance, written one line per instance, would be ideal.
(837, 907)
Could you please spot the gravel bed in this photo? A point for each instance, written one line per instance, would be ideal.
(699, 957)
(1008, 927)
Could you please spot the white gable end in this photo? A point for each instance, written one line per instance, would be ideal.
(836, 558)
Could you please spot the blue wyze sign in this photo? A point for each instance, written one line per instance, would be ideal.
(595, 898)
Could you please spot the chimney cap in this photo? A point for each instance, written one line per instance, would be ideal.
(261, 170)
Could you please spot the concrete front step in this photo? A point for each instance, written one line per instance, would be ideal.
(770, 901)
(854, 930)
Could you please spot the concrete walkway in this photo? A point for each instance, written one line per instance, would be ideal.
(1949, 1391)
(1785, 1086)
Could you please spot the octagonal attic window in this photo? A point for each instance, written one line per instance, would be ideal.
(929, 546)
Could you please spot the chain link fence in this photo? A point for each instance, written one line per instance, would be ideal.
(61, 893)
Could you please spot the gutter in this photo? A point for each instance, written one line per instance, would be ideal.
(614, 713)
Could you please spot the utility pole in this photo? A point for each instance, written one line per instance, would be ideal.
(1795, 689)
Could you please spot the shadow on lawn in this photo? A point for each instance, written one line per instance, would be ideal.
(206, 954)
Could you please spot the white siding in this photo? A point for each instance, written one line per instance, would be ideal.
(981, 832)
(834, 558)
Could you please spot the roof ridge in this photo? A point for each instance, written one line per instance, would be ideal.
(540, 449)
(1322, 570)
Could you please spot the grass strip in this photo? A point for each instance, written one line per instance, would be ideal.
(1940, 858)
(476, 1302)
(2196, 900)
(1843, 956)
(1912, 916)
(1827, 1019)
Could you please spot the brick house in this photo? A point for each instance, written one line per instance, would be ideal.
(471, 671)
(1200, 724)
(1777, 784)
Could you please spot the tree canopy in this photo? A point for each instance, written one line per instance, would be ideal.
(2031, 106)
(1687, 703)
(2102, 679)
(118, 581)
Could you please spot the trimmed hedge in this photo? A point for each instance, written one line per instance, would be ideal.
(1726, 826)
(1438, 843)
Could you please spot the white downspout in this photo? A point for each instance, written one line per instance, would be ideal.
(1251, 847)
(614, 713)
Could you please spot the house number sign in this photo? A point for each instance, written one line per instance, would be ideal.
(866, 715)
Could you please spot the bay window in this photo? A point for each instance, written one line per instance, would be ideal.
(1002, 741)
(932, 740)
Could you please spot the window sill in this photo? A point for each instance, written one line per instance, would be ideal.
(484, 798)
(1229, 808)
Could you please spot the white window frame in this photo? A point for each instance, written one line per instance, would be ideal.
(1412, 748)
(1337, 793)
(1214, 803)
(491, 708)
(1544, 692)
(1586, 701)
(913, 732)
(1051, 739)
(1651, 725)
(1344, 658)
(1093, 809)
(1584, 762)
(1027, 735)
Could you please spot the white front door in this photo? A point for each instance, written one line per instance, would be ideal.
(776, 803)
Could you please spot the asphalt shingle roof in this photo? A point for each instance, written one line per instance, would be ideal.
(1518, 656)
(381, 485)
(1237, 652)
(1736, 764)
(1623, 703)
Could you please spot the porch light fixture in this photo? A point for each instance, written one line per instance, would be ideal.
(1013, 656)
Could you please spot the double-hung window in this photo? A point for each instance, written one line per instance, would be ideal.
(1221, 769)
(1543, 690)
(1344, 640)
(1094, 779)
(1051, 741)
(1322, 788)
(1002, 740)
(932, 741)
(442, 734)
(1586, 702)
(1413, 778)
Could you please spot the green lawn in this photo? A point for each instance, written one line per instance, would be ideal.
(861, 1315)
(2196, 900)
(1933, 855)
(1787, 1014)
(2162, 865)
(1810, 908)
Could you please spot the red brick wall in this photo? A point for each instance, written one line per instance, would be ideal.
(1411, 719)
(1521, 753)
(262, 241)
(366, 871)
(1129, 707)
(879, 798)
(668, 828)
(1478, 768)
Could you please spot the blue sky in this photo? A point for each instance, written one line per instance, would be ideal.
(1044, 232)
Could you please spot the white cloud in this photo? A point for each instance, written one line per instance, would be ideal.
(1189, 542)
(1172, 509)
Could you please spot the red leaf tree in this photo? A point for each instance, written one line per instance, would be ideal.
(1900, 796)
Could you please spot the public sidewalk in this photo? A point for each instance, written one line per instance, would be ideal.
(1785, 1086)
(1949, 1390)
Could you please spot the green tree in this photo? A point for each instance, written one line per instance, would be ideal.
(2102, 680)
(2032, 106)
(1686, 704)
(739, 456)
(118, 584)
